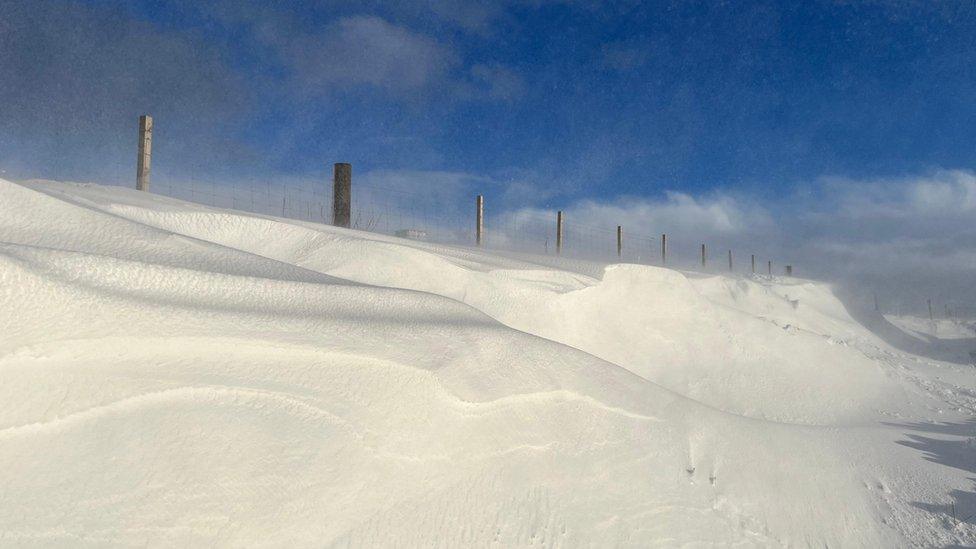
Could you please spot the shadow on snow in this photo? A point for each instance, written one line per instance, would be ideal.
(951, 445)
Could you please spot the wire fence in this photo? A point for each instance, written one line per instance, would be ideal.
(277, 199)
(428, 217)
(452, 220)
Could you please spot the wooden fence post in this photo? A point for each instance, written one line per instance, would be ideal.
(144, 159)
(703, 256)
(479, 227)
(620, 241)
(730, 260)
(753, 263)
(341, 194)
(769, 268)
(664, 249)
(559, 232)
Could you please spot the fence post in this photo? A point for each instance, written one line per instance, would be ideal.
(559, 232)
(620, 241)
(753, 263)
(341, 194)
(479, 220)
(144, 159)
(929, 301)
(789, 270)
(730, 260)
(703, 256)
(664, 249)
(769, 268)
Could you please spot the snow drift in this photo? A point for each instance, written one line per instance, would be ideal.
(174, 374)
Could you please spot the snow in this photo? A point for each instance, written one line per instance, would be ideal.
(928, 329)
(174, 374)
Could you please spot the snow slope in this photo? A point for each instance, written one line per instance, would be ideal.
(174, 374)
(941, 328)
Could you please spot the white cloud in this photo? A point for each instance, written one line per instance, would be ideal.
(366, 50)
(942, 192)
(907, 239)
(498, 81)
(958, 193)
(712, 215)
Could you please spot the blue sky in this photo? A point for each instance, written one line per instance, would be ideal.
(579, 98)
(763, 115)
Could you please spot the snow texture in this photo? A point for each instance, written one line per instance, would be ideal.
(178, 375)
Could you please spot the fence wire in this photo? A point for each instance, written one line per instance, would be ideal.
(416, 216)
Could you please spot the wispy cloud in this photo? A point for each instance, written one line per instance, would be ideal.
(358, 52)
(497, 81)
(366, 50)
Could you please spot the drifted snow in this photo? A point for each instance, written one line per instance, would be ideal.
(174, 374)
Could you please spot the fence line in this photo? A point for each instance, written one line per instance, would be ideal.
(400, 212)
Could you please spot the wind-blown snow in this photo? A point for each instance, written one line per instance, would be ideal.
(173, 374)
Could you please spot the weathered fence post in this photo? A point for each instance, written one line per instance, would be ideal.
(341, 194)
(703, 256)
(730, 260)
(753, 263)
(789, 270)
(479, 227)
(664, 249)
(620, 241)
(144, 159)
(559, 232)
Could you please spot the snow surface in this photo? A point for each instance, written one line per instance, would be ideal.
(939, 328)
(174, 374)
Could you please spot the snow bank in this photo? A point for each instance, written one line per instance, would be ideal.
(940, 328)
(773, 359)
(174, 374)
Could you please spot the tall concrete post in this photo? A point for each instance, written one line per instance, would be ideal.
(620, 241)
(144, 159)
(559, 232)
(341, 194)
(664, 249)
(479, 223)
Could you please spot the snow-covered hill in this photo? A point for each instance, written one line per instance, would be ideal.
(171, 374)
